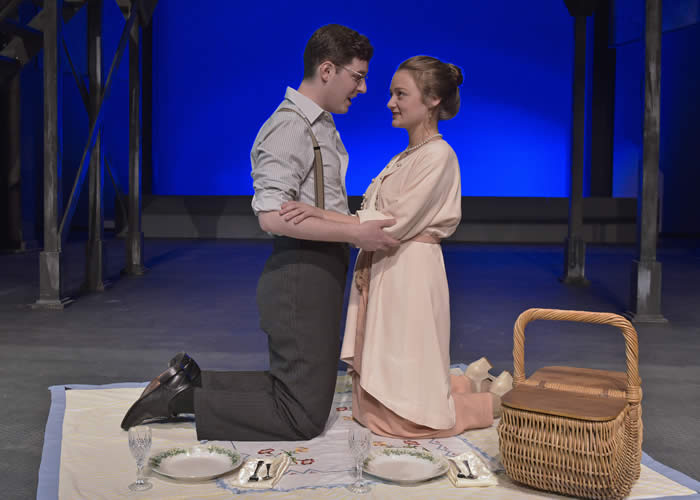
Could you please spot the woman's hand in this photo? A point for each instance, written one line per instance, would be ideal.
(297, 211)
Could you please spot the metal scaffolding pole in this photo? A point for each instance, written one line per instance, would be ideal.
(86, 103)
(147, 108)
(64, 227)
(15, 236)
(602, 103)
(575, 246)
(95, 265)
(50, 259)
(645, 304)
(134, 240)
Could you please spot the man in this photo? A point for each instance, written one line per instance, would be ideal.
(300, 292)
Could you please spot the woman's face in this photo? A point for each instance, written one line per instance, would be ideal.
(406, 103)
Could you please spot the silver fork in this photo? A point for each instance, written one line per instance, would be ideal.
(255, 477)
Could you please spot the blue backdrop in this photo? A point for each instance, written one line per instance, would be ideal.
(220, 68)
(219, 72)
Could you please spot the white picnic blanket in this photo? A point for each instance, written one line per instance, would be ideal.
(95, 461)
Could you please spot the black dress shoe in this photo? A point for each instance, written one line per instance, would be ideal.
(156, 401)
(191, 369)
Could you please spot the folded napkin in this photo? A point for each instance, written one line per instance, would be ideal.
(484, 477)
(278, 466)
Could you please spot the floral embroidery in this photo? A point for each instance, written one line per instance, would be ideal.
(342, 408)
(378, 443)
(291, 456)
(301, 449)
(266, 451)
(410, 442)
(347, 418)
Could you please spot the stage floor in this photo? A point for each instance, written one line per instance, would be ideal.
(199, 296)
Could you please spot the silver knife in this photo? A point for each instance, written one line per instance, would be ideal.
(469, 469)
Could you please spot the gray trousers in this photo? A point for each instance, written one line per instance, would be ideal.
(300, 300)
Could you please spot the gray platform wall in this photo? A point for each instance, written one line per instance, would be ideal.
(484, 219)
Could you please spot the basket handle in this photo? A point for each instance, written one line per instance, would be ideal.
(634, 393)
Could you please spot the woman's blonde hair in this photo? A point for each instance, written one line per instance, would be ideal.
(435, 78)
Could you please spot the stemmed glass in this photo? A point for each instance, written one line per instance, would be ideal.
(359, 440)
(140, 445)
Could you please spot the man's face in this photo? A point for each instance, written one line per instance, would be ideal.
(344, 84)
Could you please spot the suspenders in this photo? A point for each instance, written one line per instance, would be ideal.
(318, 162)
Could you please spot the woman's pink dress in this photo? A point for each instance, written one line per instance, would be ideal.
(399, 356)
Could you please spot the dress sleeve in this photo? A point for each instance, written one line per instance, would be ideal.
(429, 199)
(280, 165)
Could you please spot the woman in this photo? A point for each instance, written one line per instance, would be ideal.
(397, 333)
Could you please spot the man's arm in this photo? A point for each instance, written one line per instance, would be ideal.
(368, 236)
(297, 211)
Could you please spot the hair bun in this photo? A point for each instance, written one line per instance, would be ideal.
(456, 74)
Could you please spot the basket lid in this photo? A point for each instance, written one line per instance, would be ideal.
(580, 393)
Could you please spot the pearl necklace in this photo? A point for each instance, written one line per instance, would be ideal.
(408, 151)
(413, 148)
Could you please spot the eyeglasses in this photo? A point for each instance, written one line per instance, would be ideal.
(356, 76)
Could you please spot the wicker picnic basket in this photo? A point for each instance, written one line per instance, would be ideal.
(574, 431)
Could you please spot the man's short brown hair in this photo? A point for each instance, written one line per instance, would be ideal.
(336, 43)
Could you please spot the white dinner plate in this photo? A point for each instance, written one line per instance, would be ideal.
(195, 464)
(405, 465)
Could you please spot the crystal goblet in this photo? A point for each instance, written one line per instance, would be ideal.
(140, 445)
(359, 440)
